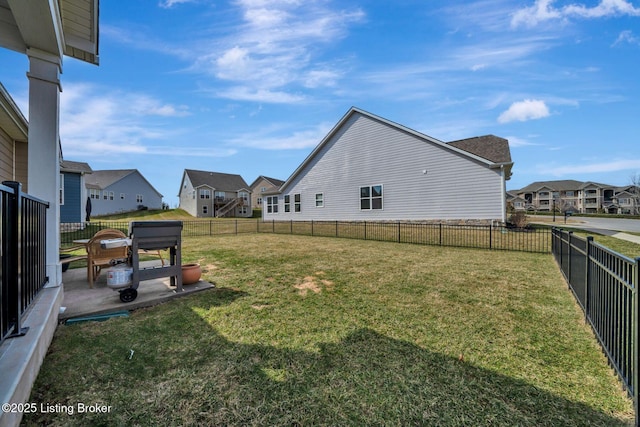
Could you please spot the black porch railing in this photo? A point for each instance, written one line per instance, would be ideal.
(23, 249)
(605, 285)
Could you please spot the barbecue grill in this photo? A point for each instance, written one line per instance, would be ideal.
(153, 236)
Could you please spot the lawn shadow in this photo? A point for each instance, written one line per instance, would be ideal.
(365, 379)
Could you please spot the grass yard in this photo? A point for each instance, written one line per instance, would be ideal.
(321, 331)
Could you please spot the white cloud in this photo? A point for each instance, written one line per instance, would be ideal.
(168, 4)
(98, 122)
(515, 141)
(627, 36)
(529, 109)
(543, 10)
(274, 48)
(608, 166)
(278, 138)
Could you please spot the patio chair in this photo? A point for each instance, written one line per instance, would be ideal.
(97, 257)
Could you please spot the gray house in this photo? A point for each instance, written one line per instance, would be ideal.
(123, 190)
(73, 191)
(369, 168)
(214, 194)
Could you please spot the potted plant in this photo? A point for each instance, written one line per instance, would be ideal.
(191, 273)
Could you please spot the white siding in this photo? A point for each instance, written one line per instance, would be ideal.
(187, 201)
(365, 151)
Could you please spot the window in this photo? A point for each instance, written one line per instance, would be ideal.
(259, 201)
(244, 196)
(219, 195)
(105, 195)
(287, 203)
(242, 210)
(205, 209)
(319, 200)
(263, 189)
(371, 197)
(272, 204)
(570, 194)
(205, 194)
(138, 198)
(121, 196)
(94, 194)
(297, 206)
(61, 189)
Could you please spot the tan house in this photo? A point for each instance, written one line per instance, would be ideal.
(213, 194)
(575, 196)
(261, 185)
(13, 141)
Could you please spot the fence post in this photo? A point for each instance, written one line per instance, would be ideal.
(311, 227)
(291, 226)
(14, 270)
(490, 234)
(636, 340)
(587, 280)
(236, 226)
(336, 228)
(569, 256)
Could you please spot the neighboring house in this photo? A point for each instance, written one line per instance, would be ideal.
(122, 190)
(73, 191)
(261, 185)
(569, 195)
(13, 141)
(515, 202)
(627, 200)
(214, 194)
(369, 168)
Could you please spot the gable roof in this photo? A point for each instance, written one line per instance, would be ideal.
(78, 167)
(273, 181)
(490, 147)
(560, 185)
(105, 178)
(12, 121)
(482, 145)
(217, 180)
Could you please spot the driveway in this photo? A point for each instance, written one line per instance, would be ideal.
(614, 224)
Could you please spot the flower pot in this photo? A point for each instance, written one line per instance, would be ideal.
(191, 273)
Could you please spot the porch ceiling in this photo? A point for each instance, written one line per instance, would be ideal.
(65, 27)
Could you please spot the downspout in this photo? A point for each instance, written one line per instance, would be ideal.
(503, 202)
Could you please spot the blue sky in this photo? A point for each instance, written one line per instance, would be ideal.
(251, 86)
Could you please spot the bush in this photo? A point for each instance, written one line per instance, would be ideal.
(518, 219)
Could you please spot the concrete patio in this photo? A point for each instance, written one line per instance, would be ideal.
(80, 300)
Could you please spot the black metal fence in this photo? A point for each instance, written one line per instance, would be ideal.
(23, 249)
(605, 285)
(468, 236)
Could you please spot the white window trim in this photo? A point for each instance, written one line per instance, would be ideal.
(371, 197)
(321, 205)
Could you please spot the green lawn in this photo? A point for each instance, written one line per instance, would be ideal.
(323, 331)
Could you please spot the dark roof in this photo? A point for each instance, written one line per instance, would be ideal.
(490, 147)
(104, 178)
(69, 166)
(560, 185)
(217, 180)
(277, 183)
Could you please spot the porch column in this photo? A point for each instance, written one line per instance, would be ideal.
(44, 147)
